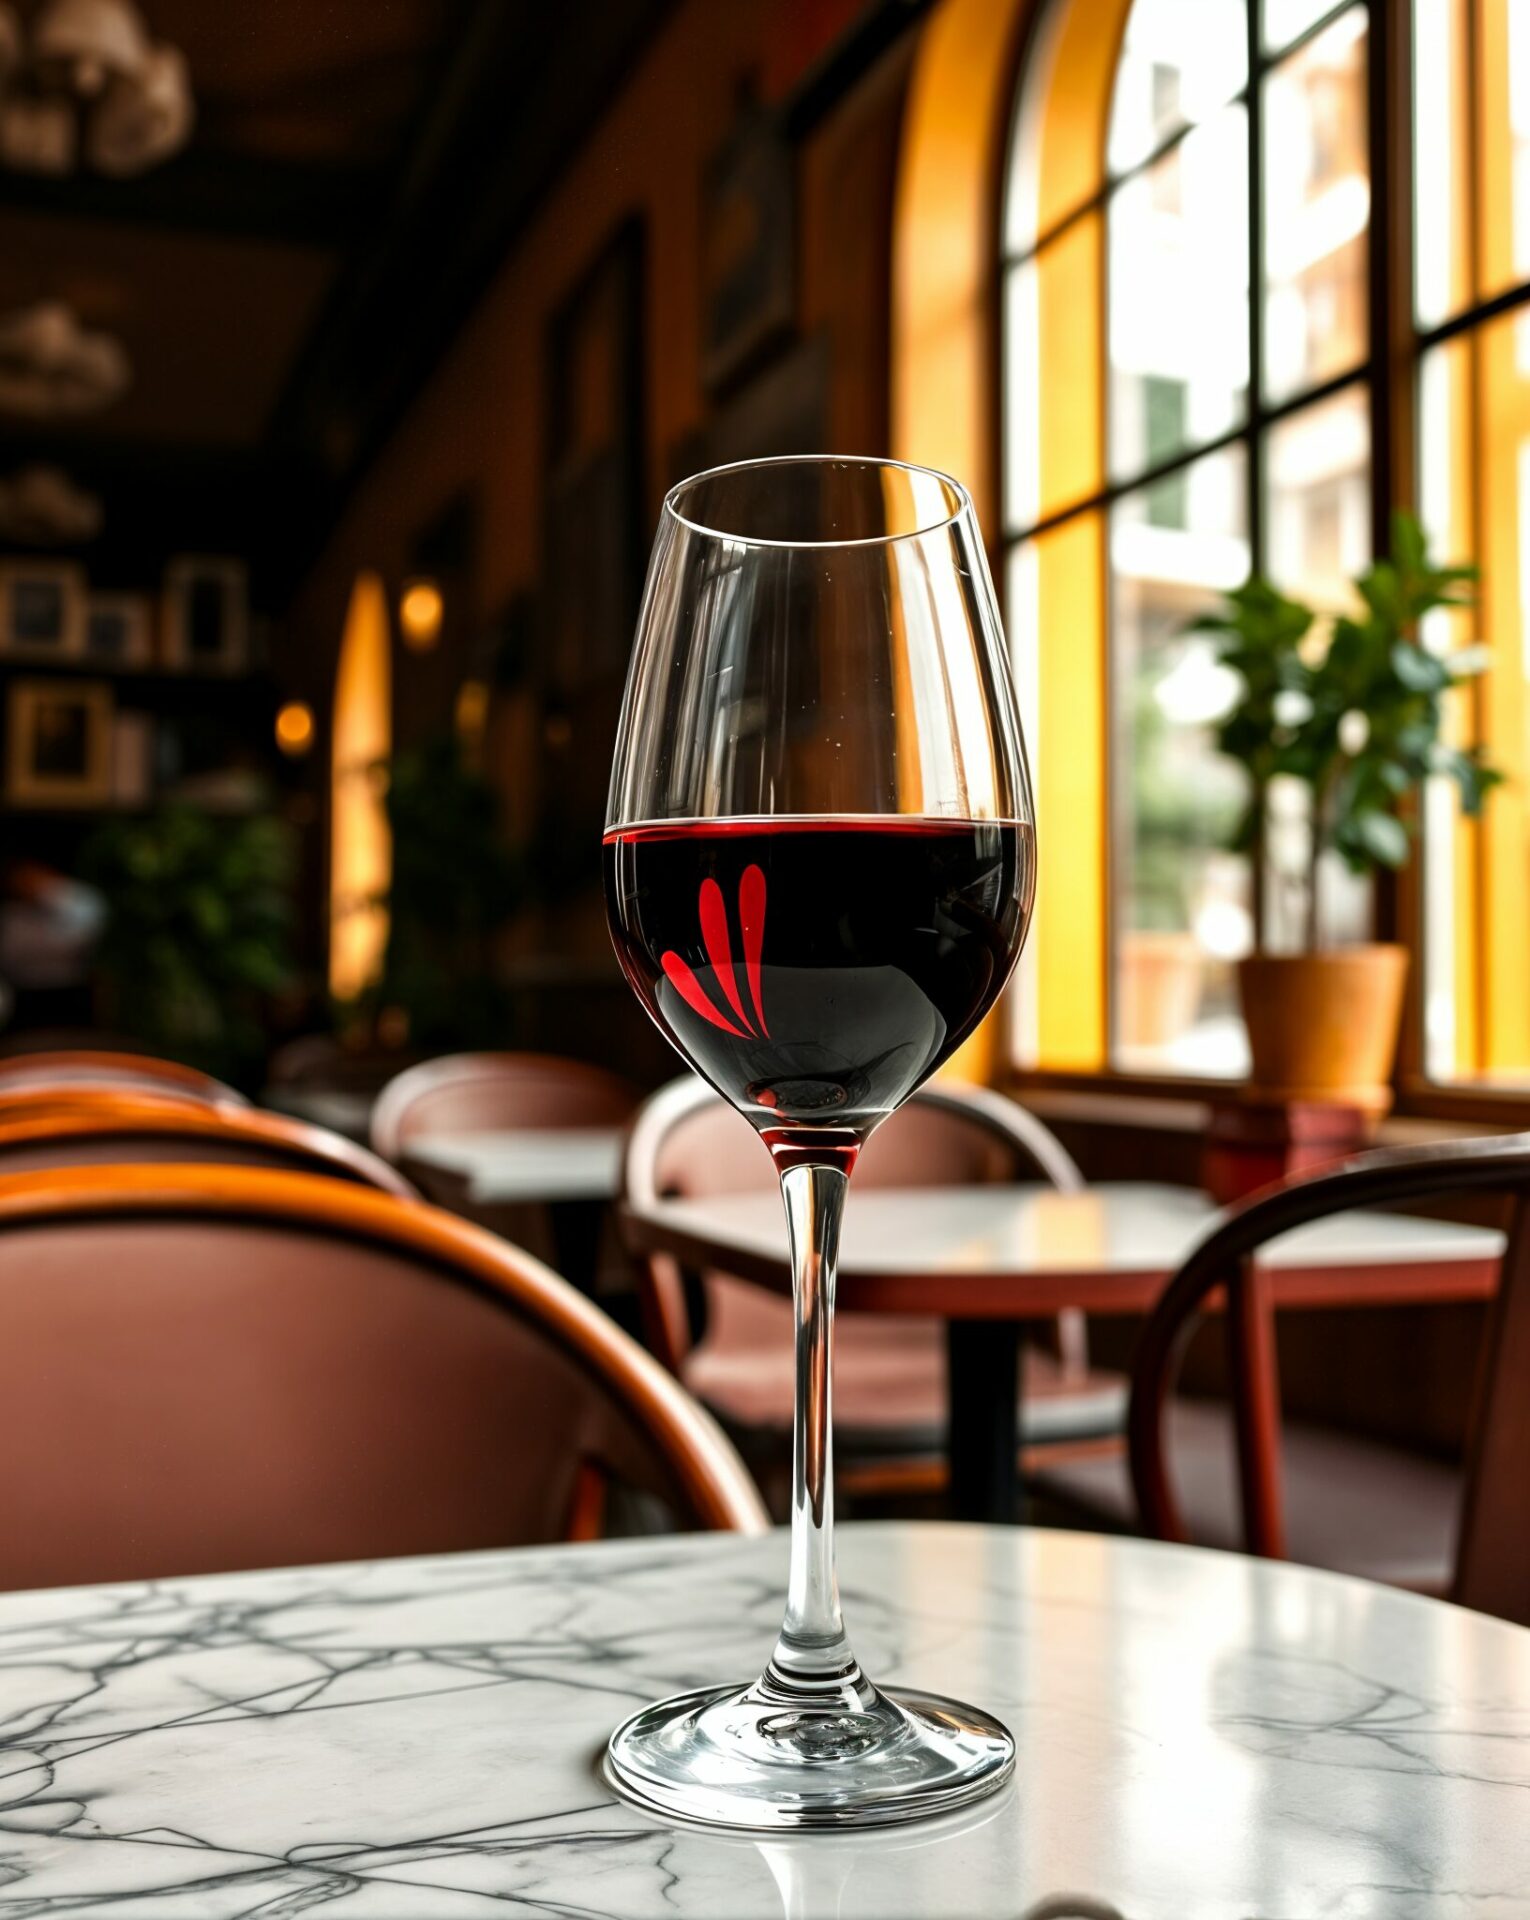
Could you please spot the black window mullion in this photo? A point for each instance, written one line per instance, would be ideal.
(1173, 463)
(1100, 199)
(1253, 479)
(1261, 63)
(1473, 317)
(1386, 250)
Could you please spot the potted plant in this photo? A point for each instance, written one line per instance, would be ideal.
(198, 936)
(1349, 712)
(454, 885)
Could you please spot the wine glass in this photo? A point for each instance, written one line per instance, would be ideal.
(819, 861)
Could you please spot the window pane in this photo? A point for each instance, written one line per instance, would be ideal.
(1318, 498)
(1317, 201)
(1180, 61)
(1060, 125)
(1441, 276)
(1179, 297)
(1285, 19)
(1475, 483)
(1502, 99)
(1052, 316)
(1318, 506)
(1181, 904)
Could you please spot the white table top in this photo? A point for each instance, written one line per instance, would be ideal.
(1201, 1737)
(1126, 1227)
(500, 1169)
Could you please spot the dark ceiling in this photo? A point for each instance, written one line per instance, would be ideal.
(357, 169)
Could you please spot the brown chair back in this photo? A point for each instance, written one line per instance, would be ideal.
(123, 1072)
(483, 1092)
(1493, 1549)
(205, 1368)
(687, 1142)
(109, 1129)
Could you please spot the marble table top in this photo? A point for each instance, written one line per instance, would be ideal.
(503, 1168)
(1201, 1737)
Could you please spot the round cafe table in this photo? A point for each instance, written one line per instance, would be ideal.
(1201, 1737)
(985, 1259)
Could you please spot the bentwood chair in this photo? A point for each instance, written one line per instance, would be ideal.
(217, 1367)
(66, 1073)
(514, 1093)
(1490, 1564)
(493, 1092)
(110, 1129)
(731, 1341)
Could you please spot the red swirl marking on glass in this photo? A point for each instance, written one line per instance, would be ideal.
(714, 930)
(751, 916)
(690, 991)
(712, 911)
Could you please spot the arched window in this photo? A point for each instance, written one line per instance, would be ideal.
(1227, 344)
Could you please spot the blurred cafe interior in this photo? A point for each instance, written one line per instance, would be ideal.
(359, 1205)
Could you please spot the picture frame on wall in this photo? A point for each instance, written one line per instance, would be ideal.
(59, 743)
(119, 630)
(206, 615)
(748, 247)
(595, 533)
(42, 610)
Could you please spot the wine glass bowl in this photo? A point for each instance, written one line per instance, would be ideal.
(819, 863)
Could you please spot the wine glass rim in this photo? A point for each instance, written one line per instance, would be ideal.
(962, 507)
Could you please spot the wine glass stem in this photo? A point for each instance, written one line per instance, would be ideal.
(812, 1661)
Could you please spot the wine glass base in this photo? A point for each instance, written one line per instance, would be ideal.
(727, 1757)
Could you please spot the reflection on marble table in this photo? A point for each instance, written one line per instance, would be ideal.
(1201, 1737)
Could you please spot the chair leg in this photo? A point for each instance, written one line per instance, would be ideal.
(1255, 1372)
(1493, 1556)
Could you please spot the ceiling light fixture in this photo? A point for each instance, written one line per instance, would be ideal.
(420, 613)
(83, 85)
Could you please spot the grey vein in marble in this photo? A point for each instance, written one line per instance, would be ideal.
(1201, 1738)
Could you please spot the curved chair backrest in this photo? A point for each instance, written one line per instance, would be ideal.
(205, 1368)
(481, 1092)
(1493, 1547)
(109, 1129)
(123, 1072)
(687, 1141)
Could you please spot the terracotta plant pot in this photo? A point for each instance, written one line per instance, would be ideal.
(1323, 1026)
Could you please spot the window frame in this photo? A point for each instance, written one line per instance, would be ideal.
(1396, 346)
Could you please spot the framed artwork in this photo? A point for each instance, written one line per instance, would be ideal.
(595, 533)
(59, 743)
(748, 247)
(206, 616)
(42, 610)
(119, 630)
(594, 547)
(784, 409)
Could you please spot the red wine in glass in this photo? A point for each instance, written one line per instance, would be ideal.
(817, 970)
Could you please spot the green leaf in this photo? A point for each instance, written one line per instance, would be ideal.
(1408, 541)
(1419, 671)
(1379, 837)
